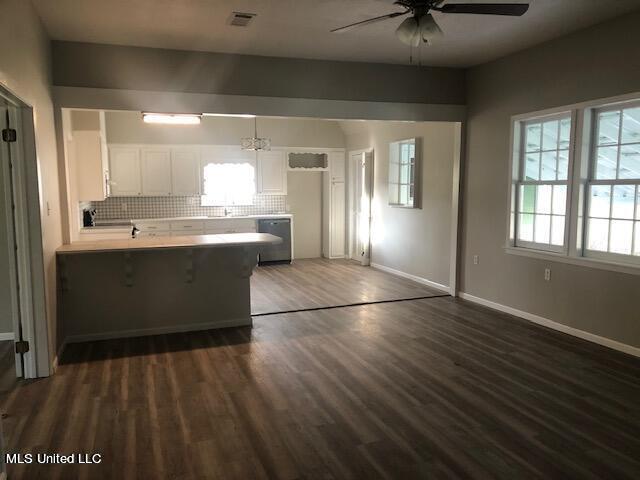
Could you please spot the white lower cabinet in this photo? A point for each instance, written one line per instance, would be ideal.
(230, 226)
(160, 228)
(187, 227)
(161, 233)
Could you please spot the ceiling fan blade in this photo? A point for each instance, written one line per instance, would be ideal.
(511, 9)
(346, 28)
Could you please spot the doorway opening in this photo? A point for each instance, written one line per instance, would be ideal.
(21, 264)
(360, 198)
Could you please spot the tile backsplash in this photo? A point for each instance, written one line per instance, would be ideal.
(162, 207)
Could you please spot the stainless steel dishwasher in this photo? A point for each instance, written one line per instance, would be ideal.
(281, 253)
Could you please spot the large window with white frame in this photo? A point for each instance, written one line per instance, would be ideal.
(542, 183)
(575, 184)
(613, 199)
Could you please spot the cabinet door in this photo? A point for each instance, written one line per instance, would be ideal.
(156, 172)
(337, 166)
(337, 229)
(185, 172)
(124, 169)
(272, 173)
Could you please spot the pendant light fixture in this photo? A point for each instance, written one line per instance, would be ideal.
(255, 143)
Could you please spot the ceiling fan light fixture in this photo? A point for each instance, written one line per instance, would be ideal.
(408, 32)
(429, 29)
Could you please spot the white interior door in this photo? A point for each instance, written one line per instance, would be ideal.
(360, 195)
(17, 307)
(9, 299)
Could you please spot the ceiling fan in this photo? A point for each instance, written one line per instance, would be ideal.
(421, 24)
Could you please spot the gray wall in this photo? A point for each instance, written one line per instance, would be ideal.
(414, 241)
(138, 68)
(594, 63)
(25, 70)
(128, 127)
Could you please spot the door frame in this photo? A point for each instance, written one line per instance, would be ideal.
(29, 268)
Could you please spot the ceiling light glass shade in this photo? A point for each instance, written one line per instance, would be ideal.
(429, 29)
(255, 143)
(408, 32)
(171, 118)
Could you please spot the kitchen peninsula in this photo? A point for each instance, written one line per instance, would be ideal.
(152, 285)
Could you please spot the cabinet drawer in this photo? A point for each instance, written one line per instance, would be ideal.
(233, 223)
(246, 229)
(164, 233)
(152, 226)
(187, 226)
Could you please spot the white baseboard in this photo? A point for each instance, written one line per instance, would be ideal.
(7, 336)
(415, 278)
(606, 342)
(141, 332)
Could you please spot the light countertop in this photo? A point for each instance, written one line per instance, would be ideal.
(176, 242)
(202, 217)
(106, 229)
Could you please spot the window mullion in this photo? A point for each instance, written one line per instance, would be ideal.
(610, 218)
(634, 223)
(619, 147)
(540, 152)
(558, 150)
(535, 214)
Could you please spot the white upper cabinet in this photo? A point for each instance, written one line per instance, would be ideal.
(88, 160)
(90, 172)
(156, 171)
(125, 172)
(337, 166)
(272, 172)
(185, 172)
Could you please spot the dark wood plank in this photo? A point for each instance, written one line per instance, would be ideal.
(434, 388)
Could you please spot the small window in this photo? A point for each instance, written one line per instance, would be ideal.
(542, 183)
(403, 163)
(613, 199)
(228, 184)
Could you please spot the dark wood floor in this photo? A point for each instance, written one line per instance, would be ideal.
(435, 388)
(318, 282)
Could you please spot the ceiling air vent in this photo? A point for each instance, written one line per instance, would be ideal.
(241, 19)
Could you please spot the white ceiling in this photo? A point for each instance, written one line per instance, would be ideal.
(300, 28)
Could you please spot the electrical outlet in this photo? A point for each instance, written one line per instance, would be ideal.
(192, 200)
(123, 206)
(547, 274)
(476, 259)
